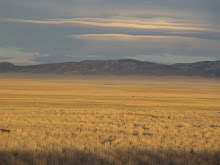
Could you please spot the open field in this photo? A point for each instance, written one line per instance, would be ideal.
(107, 121)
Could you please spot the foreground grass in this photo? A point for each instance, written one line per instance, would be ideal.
(109, 122)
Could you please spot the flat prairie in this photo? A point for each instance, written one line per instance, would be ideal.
(109, 120)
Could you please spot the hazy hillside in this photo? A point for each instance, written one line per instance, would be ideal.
(119, 67)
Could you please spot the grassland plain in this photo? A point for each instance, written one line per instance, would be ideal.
(115, 120)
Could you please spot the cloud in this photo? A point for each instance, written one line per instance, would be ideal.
(107, 46)
(16, 56)
(137, 26)
(170, 58)
(73, 30)
(132, 23)
(202, 11)
(5, 58)
(55, 58)
(20, 62)
(122, 37)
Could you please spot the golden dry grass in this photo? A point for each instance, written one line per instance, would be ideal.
(109, 121)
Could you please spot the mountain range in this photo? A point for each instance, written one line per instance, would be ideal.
(119, 67)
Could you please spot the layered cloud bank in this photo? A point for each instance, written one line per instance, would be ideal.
(166, 32)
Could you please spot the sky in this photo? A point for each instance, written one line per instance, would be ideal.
(161, 31)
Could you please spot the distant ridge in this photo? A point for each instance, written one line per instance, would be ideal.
(119, 67)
